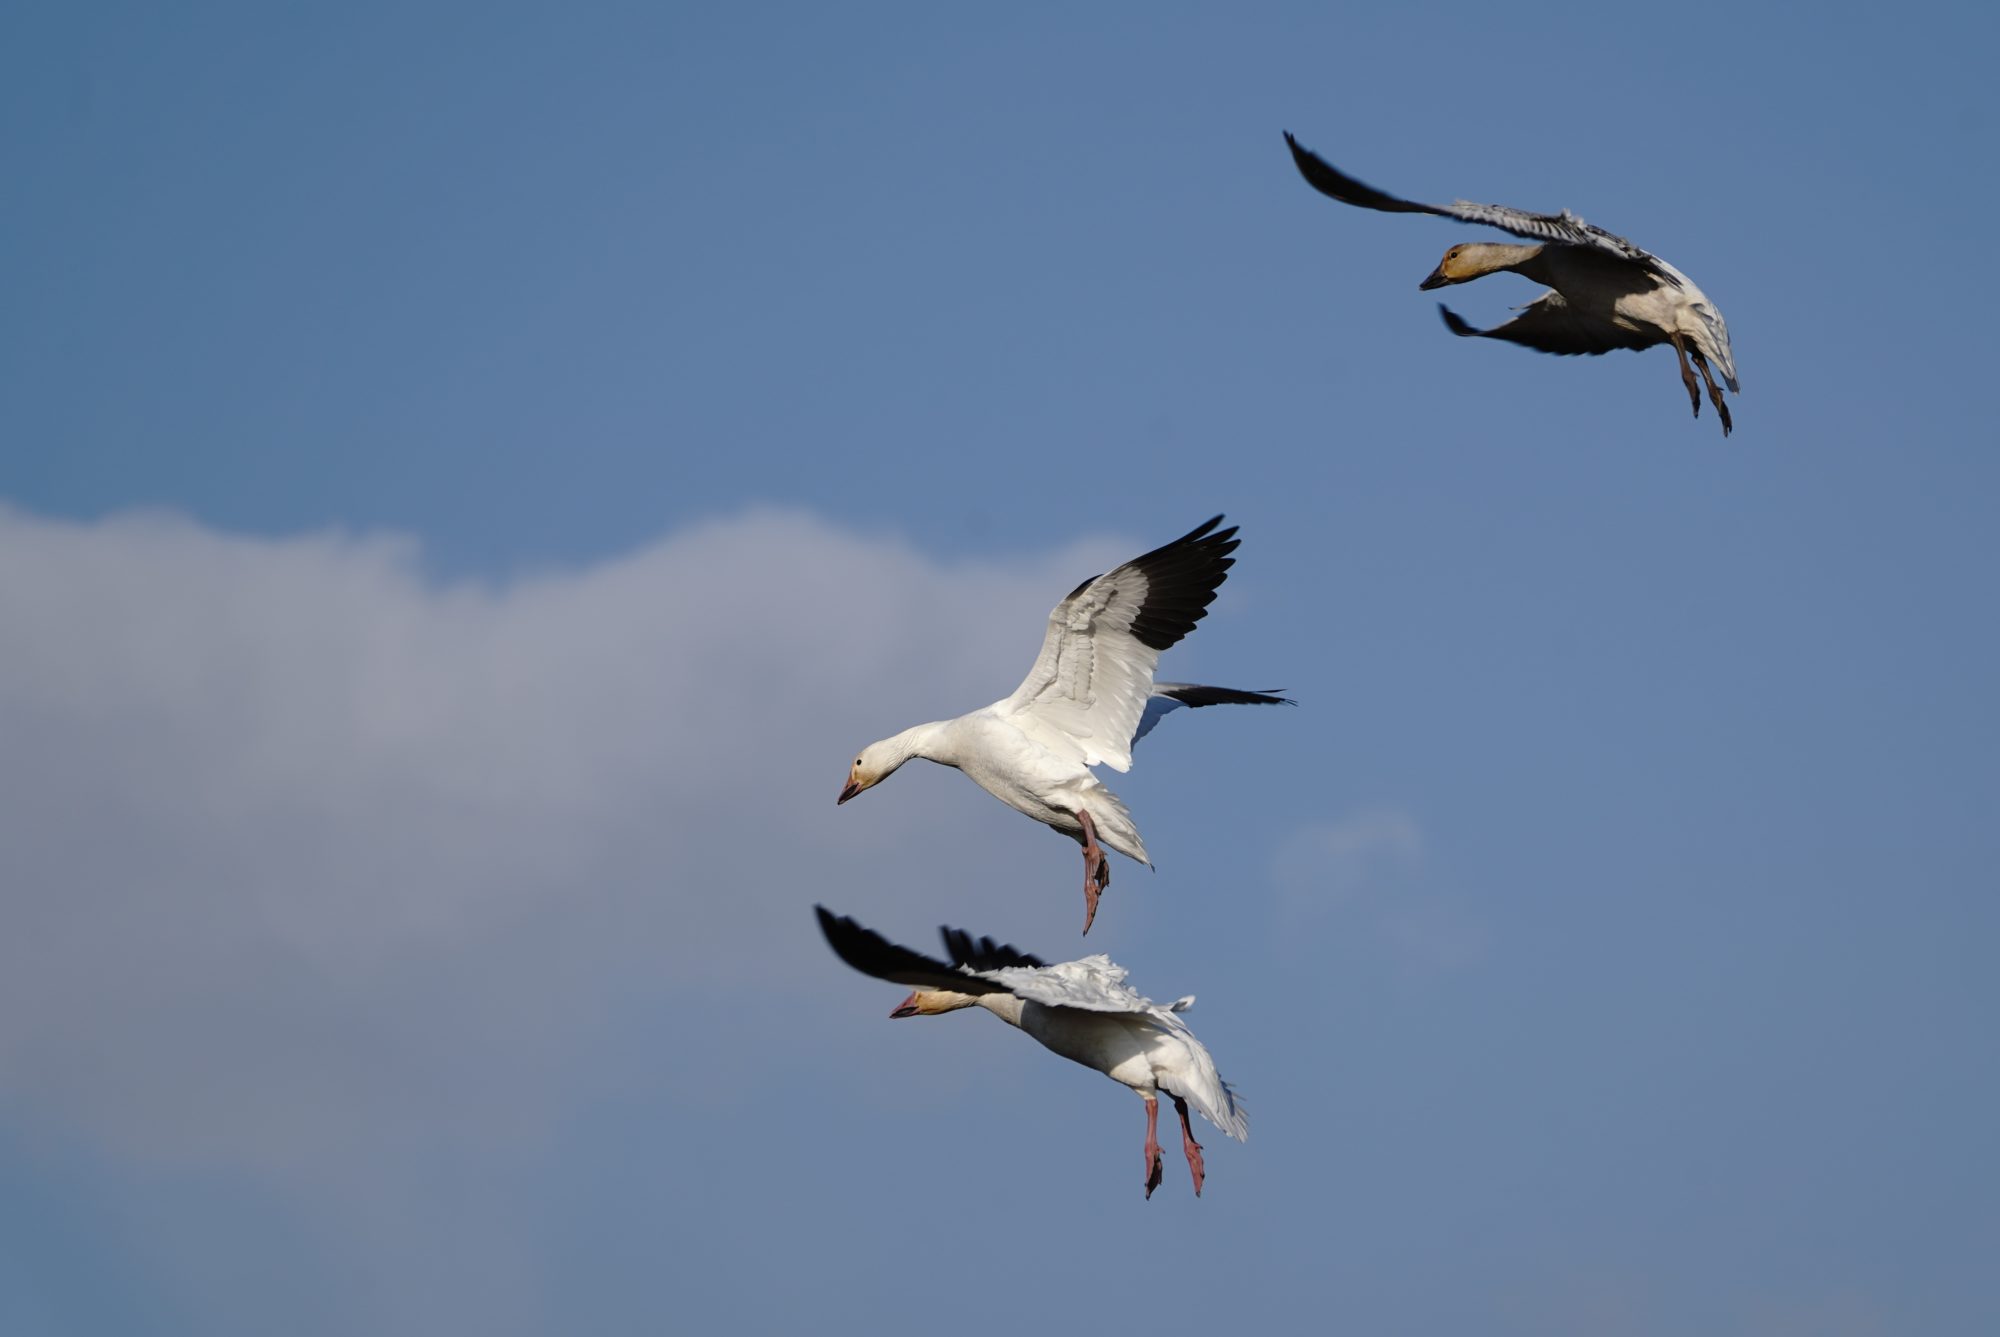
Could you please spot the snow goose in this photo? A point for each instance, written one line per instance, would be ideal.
(1088, 698)
(1606, 292)
(1082, 1010)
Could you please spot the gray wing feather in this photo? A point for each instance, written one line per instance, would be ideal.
(1564, 228)
(1718, 344)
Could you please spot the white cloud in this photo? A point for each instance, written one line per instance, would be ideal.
(304, 856)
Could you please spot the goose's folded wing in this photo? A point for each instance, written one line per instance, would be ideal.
(1091, 681)
(1202, 1086)
(1168, 697)
(872, 954)
(1550, 325)
(1716, 345)
(1564, 228)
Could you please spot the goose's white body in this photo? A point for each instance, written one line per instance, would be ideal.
(1089, 697)
(1082, 1010)
(1086, 1012)
(1030, 766)
(1142, 1045)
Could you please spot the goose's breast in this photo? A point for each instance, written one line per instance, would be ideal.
(1117, 1044)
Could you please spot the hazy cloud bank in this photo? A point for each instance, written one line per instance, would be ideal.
(297, 846)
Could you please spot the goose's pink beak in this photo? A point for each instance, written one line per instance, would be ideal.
(853, 788)
(906, 1008)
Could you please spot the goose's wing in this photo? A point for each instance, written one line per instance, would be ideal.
(1092, 984)
(984, 954)
(1168, 697)
(1195, 1079)
(1564, 228)
(1716, 343)
(872, 954)
(1551, 325)
(980, 965)
(1091, 681)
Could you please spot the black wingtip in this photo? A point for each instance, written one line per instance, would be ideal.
(863, 948)
(872, 954)
(1194, 694)
(962, 949)
(1311, 166)
(843, 935)
(1185, 574)
(1454, 324)
(1200, 530)
(1335, 184)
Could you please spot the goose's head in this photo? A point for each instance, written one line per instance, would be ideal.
(878, 761)
(930, 1002)
(875, 764)
(1471, 260)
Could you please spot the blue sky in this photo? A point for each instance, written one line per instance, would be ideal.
(471, 476)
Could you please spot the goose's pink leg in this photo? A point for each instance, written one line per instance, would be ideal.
(1189, 1145)
(1155, 1172)
(1096, 869)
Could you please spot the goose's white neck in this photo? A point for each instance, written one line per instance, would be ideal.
(930, 741)
(1005, 1006)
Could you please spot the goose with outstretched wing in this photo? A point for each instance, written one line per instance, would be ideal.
(1088, 698)
(1082, 1010)
(1604, 292)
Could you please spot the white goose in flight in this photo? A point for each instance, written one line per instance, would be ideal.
(1606, 292)
(1082, 1010)
(1088, 698)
